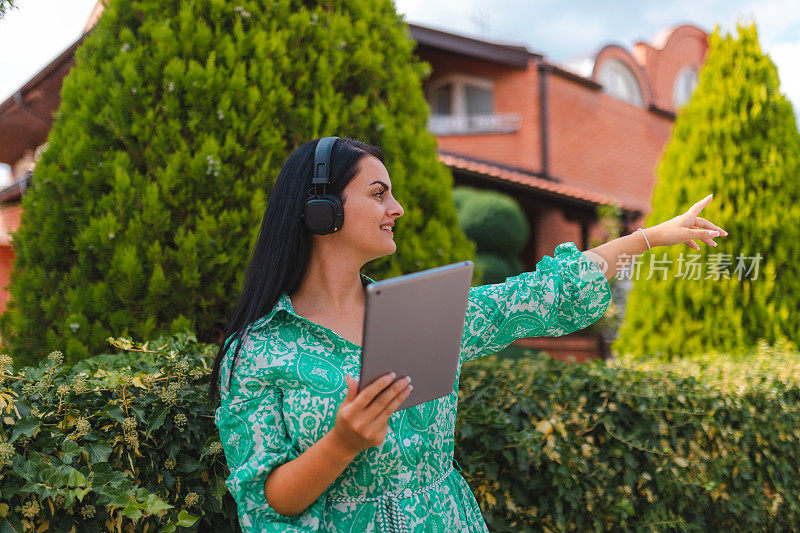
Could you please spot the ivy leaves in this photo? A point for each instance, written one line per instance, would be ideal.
(124, 438)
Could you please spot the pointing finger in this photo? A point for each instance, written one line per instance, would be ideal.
(697, 207)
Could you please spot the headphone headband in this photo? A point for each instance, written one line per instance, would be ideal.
(322, 160)
(323, 213)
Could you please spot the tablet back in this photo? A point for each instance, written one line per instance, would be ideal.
(413, 327)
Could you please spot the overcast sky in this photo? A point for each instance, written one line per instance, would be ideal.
(38, 30)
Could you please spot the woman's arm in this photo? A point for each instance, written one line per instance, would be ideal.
(293, 486)
(682, 228)
(361, 422)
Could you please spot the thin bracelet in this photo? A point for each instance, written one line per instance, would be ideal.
(645, 237)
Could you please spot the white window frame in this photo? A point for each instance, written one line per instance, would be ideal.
(459, 96)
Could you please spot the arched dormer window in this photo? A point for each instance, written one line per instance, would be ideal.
(618, 81)
(685, 82)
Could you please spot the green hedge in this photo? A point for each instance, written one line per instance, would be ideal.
(629, 446)
(116, 441)
(127, 441)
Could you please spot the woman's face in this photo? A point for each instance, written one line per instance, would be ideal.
(369, 208)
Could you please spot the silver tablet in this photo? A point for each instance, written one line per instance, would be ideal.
(413, 326)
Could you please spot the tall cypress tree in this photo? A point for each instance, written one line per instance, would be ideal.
(172, 128)
(737, 138)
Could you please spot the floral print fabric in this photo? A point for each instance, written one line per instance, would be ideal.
(289, 381)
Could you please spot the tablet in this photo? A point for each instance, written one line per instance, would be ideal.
(413, 326)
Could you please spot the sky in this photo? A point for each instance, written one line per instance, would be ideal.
(32, 35)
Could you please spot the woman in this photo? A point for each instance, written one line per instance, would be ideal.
(306, 451)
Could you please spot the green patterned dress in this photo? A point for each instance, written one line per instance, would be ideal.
(289, 382)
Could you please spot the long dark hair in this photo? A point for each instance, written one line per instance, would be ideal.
(283, 248)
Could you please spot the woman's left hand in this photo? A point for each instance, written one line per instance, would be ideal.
(685, 228)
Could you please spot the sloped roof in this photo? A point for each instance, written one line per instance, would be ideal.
(513, 55)
(548, 187)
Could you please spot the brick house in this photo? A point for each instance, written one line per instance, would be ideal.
(561, 139)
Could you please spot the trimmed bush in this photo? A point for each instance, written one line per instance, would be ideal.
(497, 225)
(495, 222)
(462, 194)
(126, 441)
(496, 268)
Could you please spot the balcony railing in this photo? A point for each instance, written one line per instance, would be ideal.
(469, 124)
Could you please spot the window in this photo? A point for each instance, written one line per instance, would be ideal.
(463, 104)
(442, 100)
(618, 81)
(479, 100)
(459, 95)
(5, 174)
(685, 82)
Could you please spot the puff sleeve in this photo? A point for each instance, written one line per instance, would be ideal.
(565, 293)
(255, 441)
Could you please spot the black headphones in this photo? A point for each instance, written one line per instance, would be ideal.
(323, 213)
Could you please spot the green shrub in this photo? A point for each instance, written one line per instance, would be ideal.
(127, 441)
(494, 221)
(172, 128)
(463, 194)
(496, 268)
(497, 225)
(547, 445)
(118, 440)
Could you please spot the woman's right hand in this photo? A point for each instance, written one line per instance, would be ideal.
(362, 420)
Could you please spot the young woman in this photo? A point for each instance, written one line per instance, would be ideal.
(306, 451)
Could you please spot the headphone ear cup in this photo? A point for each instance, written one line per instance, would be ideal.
(338, 212)
(323, 214)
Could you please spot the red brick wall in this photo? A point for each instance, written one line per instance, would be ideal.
(552, 230)
(515, 91)
(603, 144)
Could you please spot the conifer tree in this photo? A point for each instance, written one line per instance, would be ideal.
(172, 128)
(737, 138)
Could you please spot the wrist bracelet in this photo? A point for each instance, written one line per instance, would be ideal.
(645, 237)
